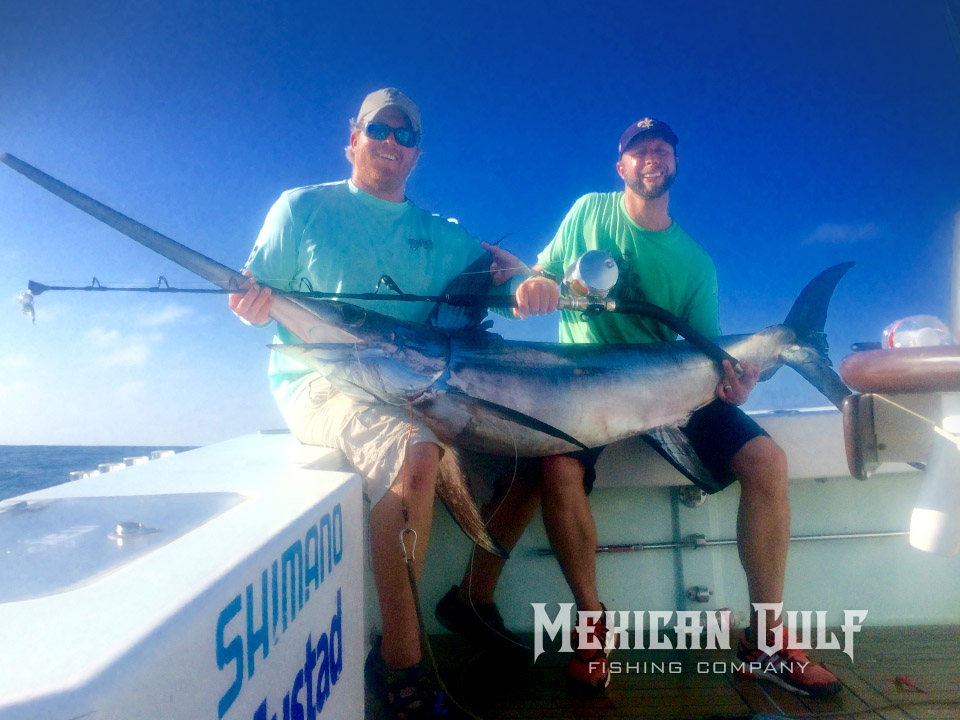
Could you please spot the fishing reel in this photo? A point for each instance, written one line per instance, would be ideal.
(588, 281)
(593, 275)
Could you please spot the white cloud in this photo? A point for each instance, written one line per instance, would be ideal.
(169, 314)
(113, 349)
(129, 391)
(100, 337)
(15, 361)
(11, 389)
(842, 233)
(130, 354)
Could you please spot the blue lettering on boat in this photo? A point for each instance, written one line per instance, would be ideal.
(270, 604)
(311, 686)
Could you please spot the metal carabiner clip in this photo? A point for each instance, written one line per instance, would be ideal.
(413, 546)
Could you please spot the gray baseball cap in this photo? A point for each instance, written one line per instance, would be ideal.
(390, 97)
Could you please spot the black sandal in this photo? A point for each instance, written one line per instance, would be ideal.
(405, 694)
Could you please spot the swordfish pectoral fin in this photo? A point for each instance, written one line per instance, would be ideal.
(675, 447)
(452, 489)
(520, 418)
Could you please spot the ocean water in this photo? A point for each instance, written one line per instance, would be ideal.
(26, 468)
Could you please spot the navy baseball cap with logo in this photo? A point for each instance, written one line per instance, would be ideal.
(648, 127)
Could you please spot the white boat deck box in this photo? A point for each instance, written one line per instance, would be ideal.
(221, 583)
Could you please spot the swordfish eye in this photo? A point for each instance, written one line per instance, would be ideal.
(351, 314)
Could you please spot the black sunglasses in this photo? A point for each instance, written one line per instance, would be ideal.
(381, 131)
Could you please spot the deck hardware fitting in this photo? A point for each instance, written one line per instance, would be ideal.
(692, 496)
(699, 593)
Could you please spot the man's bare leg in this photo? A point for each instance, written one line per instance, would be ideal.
(570, 527)
(401, 634)
(763, 522)
(508, 514)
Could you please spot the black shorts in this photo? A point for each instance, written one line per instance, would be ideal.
(716, 432)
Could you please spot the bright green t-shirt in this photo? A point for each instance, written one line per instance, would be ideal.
(337, 238)
(668, 269)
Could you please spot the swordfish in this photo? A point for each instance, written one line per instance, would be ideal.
(505, 397)
(479, 392)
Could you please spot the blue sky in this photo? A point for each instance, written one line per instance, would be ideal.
(810, 133)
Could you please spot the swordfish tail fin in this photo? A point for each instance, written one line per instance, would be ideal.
(808, 315)
(807, 319)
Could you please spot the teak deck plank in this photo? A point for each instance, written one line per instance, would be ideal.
(494, 689)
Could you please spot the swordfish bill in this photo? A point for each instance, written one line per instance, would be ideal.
(311, 320)
(288, 311)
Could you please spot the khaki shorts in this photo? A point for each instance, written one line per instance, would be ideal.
(373, 437)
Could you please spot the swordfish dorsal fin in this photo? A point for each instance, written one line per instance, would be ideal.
(452, 489)
(475, 280)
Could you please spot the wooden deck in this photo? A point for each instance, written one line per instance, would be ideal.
(874, 687)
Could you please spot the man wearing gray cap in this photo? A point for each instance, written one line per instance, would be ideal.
(661, 264)
(339, 237)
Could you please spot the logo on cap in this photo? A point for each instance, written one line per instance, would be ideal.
(647, 126)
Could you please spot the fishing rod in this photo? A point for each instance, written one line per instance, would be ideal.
(588, 280)
(590, 304)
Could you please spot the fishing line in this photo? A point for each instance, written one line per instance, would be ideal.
(466, 666)
(261, 280)
(486, 525)
(763, 691)
(403, 483)
(426, 647)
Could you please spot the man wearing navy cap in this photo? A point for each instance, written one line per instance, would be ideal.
(661, 264)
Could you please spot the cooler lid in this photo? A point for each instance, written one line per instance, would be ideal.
(52, 546)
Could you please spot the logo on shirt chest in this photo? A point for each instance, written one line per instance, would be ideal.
(628, 287)
(417, 243)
